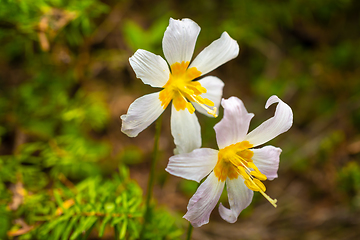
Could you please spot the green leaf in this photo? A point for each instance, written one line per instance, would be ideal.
(87, 233)
(123, 229)
(103, 225)
(52, 224)
(79, 229)
(115, 221)
(109, 207)
(85, 224)
(58, 230)
(134, 228)
(125, 201)
(70, 227)
(58, 199)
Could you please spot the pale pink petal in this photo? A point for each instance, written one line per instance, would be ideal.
(204, 200)
(214, 87)
(280, 123)
(142, 112)
(150, 68)
(179, 40)
(194, 165)
(234, 125)
(186, 131)
(239, 195)
(216, 54)
(267, 160)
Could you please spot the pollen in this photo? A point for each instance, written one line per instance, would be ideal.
(236, 160)
(182, 90)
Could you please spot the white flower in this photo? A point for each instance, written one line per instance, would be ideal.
(186, 95)
(237, 163)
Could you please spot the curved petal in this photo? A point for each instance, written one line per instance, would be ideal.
(179, 40)
(240, 197)
(186, 131)
(141, 113)
(267, 160)
(204, 200)
(217, 53)
(234, 125)
(150, 68)
(214, 87)
(194, 165)
(280, 123)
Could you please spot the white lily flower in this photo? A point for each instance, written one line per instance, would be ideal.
(177, 83)
(237, 162)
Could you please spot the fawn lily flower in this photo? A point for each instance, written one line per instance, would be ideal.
(177, 83)
(237, 163)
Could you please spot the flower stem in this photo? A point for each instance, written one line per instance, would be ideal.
(150, 186)
(189, 232)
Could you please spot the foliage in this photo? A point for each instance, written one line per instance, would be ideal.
(71, 212)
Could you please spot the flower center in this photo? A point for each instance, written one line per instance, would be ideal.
(182, 90)
(235, 160)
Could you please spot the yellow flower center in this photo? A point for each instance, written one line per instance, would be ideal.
(181, 89)
(235, 160)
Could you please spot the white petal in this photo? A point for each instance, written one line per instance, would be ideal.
(142, 112)
(179, 40)
(234, 125)
(280, 123)
(194, 165)
(150, 68)
(204, 200)
(217, 53)
(267, 160)
(214, 87)
(239, 196)
(186, 131)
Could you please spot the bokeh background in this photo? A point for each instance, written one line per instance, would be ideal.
(67, 171)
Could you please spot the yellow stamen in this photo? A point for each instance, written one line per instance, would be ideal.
(181, 89)
(234, 161)
(258, 175)
(209, 111)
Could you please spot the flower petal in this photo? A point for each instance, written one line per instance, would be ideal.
(150, 68)
(267, 160)
(142, 112)
(239, 196)
(186, 131)
(204, 200)
(194, 165)
(217, 53)
(214, 87)
(234, 125)
(179, 40)
(280, 123)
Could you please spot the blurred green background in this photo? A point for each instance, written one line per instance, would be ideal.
(67, 171)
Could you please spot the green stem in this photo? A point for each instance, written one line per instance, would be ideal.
(151, 177)
(189, 232)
